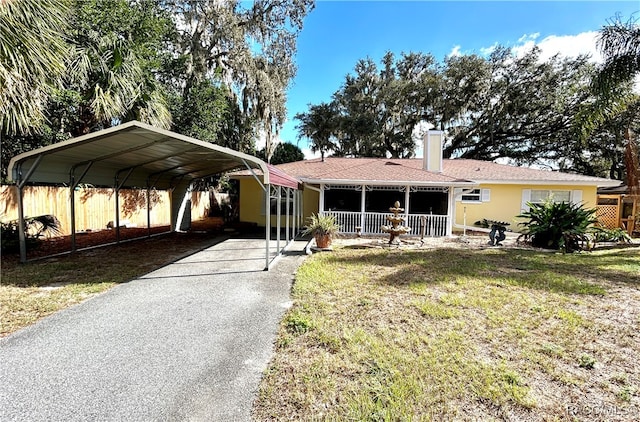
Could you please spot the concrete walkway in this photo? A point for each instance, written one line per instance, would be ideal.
(186, 342)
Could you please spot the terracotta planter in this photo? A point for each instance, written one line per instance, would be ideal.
(323, 241)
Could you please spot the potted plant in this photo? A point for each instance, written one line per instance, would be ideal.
(323, 228)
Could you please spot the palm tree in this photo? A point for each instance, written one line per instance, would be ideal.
(318, 125)
(619, 43)
(32, 54)
(110, 64)
(110, 78)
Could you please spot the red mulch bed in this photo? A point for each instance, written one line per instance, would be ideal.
(62, 244)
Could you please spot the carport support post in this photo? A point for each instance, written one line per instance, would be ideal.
(72, 200)
(295, 214)
(73, 184)
(117, 227)
(22, 237)
(148, 211)
(267, 225)
(21, 229)
(278, 216)
(118, 186)
(288, 190)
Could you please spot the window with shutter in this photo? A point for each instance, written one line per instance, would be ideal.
(473, 196)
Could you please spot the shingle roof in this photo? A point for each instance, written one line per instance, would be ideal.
(366, 169)
(489, 171)
(410, 170)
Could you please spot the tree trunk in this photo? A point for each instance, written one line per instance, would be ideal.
(632, 164)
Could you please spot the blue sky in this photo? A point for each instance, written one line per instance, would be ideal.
(337, 34)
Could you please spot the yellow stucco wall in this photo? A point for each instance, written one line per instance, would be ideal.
(311, 200)
(251, 203)
(505, 203)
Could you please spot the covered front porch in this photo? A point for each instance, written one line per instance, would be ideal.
(363, 209)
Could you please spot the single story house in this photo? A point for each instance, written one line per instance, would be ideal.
(447, 194)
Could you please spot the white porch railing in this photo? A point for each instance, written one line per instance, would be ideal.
(436, 225)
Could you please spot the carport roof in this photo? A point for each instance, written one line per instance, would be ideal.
(134, 154)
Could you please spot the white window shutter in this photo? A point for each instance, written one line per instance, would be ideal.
(485, 195)
(526, 197)
(576, 196)
(457, 193)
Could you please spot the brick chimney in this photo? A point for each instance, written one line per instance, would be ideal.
(432, 151)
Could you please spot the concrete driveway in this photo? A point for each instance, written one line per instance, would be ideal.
(186, 342)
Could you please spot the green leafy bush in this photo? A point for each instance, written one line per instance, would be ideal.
(558, 225)
(601, 234)
(35, 229)
(320, 224)
(587, 361)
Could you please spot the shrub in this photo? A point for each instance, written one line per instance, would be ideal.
(601, 234)
(587, 361)
(35, 229)
(322, 225)
(296, 323)
(558, 225)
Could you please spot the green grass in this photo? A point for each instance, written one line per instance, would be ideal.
(456, 334)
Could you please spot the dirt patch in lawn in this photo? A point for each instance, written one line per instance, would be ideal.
(88, 239)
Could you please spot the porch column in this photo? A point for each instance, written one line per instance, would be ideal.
(363, 203)
(406, 203)
(321, 207)
(450, 212)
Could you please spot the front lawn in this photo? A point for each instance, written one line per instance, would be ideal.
(464, 334)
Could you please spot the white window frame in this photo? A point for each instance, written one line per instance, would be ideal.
(481, 195)
(575, 196)
(550, 194)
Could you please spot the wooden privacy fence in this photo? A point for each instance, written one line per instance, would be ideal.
(95, 207)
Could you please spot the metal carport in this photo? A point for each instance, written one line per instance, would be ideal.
(137, 155)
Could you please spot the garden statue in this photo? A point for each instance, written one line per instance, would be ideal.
(496, 235)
